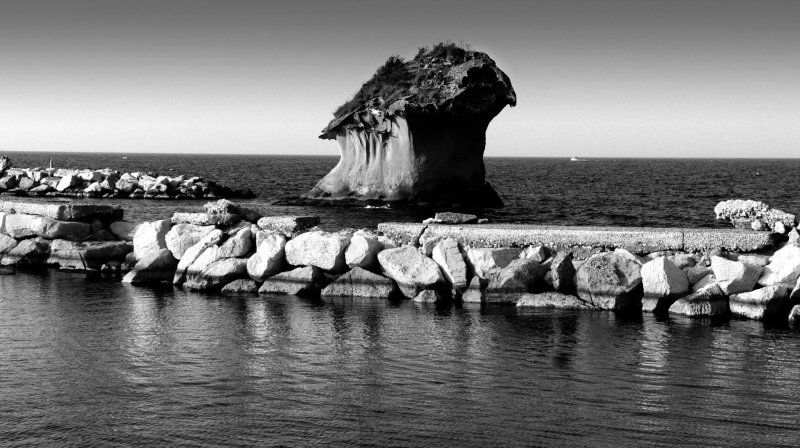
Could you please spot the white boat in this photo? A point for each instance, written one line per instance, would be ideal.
(575, 159)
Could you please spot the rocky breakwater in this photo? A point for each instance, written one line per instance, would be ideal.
(65, 235)
(108, 183)
(416, 131)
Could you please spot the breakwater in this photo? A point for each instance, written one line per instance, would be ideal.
(229, 248)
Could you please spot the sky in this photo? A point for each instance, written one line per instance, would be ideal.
(700, 78)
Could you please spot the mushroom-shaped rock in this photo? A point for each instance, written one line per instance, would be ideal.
(734, 276)
(363, 251)
(784, 267)
(552, 300)
(519, 277)
(610, 282)
(765, 303)
(306, 280)
(416, 131)
(270, 256)
(449, 258)
(154, 267)
(663, 283)
(321, 249)
(412, 271)
(359, 282)
(183, 236)
(486, 262)
(707, 302)
(218, 274)
(562, 273)
(150, 236)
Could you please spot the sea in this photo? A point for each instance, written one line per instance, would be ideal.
(86, 361)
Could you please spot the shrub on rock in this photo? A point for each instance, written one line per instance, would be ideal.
(610, 282)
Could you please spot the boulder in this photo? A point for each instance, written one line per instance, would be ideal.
(755, 260)
(154, 266)
(794, 314)
(270, 256)
(450, 260)
(191, 255)
(552, 300)
(241, 285)
(7, 243)
(363, 251)
(784, 267)
(747, 213)
(206, 219)
(476, 291)
(30, 252)
(238, 243)
(610, 282)
(428, 131)
(795, 295)
(707, 302)
(124, 230)
(428, 296)
(8, 182)
(412, 271)
(624, 253)
(695, 273)
(26, 183)
(19, 226)
(288, 225)
(486, 262)
(708, 280)
(734, 276)
(762, 304)
(360, 282)
(535, 253)
(307, 280)
(64, 211)
(794, 237)
(321, 249)
(218, 274)
(5, 164)
(663, 283)
(520, 276)
(181, 237)
(455, 218)
(150, 236)
(562, 273)
(70, 180)
(682, 260)
(86, 255)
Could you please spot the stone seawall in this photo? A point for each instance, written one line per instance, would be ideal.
(232, 249)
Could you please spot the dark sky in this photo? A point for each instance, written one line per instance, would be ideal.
(714, 78)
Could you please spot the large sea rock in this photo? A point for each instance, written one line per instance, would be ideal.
(421, 139)
(610, 281)
(321, 249)
(412, 271)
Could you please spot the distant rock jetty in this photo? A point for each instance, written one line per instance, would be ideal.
(711, 273)
(415, 133)
(108, 183)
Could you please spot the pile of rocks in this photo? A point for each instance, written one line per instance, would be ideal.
(756, 215)
(107, 183)
(69, 236)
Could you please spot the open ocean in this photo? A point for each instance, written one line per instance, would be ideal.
(91, 362)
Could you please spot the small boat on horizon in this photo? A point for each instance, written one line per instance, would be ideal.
(575, 159)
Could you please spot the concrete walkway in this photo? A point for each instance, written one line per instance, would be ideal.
(636, 239)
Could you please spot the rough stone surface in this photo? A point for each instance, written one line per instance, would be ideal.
(552, 300)
(30, 252)
(795, 295)
(476, 291)
(784, 267)
(535, 253)
(708, 280)
(631, 256)
(191, 255)
(150, 236)
(754, 259)
(307, 280)
(241, 285)
(363, 251)
(360, 282)
(412, 271)
(124, 230)
(428, 296)
(19, 226)
(486, 262)
(733, 276)
(455, 218)
(663, 283)
(238, 244)
(682, 260)
(288, 225)
(695, 273)
(450, 260)
(218, 274)
(610, 282)
(183, 236)
(7, 243)
(86, 255)
(64, 212)
(765, 303)
(745, 213)
(206, 219)
(270, 257)
(562, 273)
(520, 276)
(707, 302)
(154, 267)
(321, 249)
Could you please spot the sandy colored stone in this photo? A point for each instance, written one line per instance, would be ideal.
(363, 251)
(183, 236)
(270, 256)
(520, 276)
(150, 236)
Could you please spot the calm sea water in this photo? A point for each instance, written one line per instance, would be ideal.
(625, 192)
(86, 362)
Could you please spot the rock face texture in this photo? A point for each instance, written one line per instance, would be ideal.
(610, 282)
(416, 131)
(663, 283)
